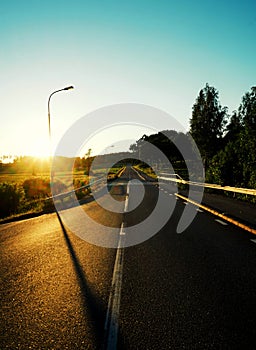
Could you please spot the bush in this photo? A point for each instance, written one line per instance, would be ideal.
(10, 199)
(83, 192)
(48, 206)
(252, 182)
(36, 188)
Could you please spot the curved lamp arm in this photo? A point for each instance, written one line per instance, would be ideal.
(49, 116)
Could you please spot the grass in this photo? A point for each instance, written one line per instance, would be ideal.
(20, 177)
(64, 177)
(146, 170)
(36, 205)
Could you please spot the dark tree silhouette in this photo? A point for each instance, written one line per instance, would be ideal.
(207, 122)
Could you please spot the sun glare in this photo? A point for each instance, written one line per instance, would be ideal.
(41, 151)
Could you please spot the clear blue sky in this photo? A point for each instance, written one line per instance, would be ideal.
(159, 53)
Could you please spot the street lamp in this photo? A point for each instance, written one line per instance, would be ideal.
(49, 118)
(49, 115)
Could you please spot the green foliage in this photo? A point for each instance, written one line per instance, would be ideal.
(207, 122)
(247, 110)
(252, 181)
(26, 164)
(36, 188)
(166, 142)
(229, 152)
(235, 163)
(84, 191)
(146, 169)
(10, 199)
(233, 128)
(222, 169)
(231, 160)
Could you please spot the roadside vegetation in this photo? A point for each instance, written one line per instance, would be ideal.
(227, 143)
(25, 184)
(143, 167)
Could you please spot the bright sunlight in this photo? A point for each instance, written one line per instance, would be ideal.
(40, 150)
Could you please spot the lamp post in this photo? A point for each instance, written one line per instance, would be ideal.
(49, 99)
(49, 117)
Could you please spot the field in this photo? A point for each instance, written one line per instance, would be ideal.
(19, 178)
(24, 193)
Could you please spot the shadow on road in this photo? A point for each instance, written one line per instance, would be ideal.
(90, 302)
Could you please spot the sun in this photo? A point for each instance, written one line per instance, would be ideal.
(41, 150)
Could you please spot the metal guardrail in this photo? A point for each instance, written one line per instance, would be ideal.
(170, 177)
(177, 178)
(65, 194)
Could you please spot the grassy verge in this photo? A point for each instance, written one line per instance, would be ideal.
(146, 170)
(24, 195)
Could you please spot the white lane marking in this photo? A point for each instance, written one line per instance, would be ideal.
(126, 199)
(111, 323)
(122, 231)
(170, 194)
(143, 178)
(134, 183)
(199, 210)
(221, 222)
(253, 240)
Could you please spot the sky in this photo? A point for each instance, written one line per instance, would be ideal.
(158, 53)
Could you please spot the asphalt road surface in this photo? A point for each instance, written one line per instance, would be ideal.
(194, 290)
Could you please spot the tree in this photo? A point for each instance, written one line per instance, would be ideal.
(247, 110)
(235, 164)
(223, 167)
(162, 141)
(207, 122)
(87, 160)
(177, 148)
(234, 128)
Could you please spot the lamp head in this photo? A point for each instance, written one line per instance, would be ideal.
(69, 87)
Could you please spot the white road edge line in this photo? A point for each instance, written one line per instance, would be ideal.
(111, 322)
(221, 222)
(253, 240)
(143, 178)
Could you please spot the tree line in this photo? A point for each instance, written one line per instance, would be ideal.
(227, 143)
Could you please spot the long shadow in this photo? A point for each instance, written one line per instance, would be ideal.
(90, 301)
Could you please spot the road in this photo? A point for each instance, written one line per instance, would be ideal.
(194, 290)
